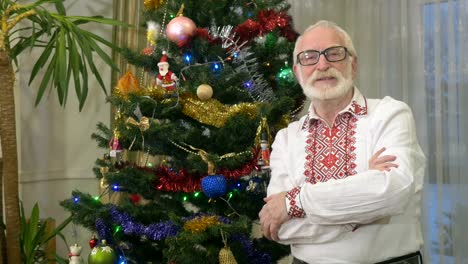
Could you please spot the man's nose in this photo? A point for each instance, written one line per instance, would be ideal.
(323, 64)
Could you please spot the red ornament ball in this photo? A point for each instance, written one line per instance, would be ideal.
(180, 29)
(93, 242)
(135, 198)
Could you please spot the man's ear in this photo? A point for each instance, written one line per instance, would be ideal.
(296, 69)
(354, 66)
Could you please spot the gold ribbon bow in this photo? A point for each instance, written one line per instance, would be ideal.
(204, 156)
(144, 123)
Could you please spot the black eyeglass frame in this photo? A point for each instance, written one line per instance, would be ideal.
(325, 54)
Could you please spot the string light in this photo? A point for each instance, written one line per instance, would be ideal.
(216, 67)
(196, 194)
(122, 260)
(248, 84)
(76, 199)
(115, 188)
(188, 58)
(185, 198)
(117, 229)
(96, 198)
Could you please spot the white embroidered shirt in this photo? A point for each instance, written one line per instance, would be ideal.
(342, 212)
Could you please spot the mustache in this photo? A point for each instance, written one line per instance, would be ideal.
(330, 73)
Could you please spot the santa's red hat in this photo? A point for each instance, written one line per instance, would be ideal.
(163, 59)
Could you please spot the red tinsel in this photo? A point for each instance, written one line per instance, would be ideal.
(270, 19)
(267, 21)
(183, 181)
(248, 30)
(177, 181)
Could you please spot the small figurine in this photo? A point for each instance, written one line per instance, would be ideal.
(265, 152)
(74, 255)
(115, 145)
(166, 78)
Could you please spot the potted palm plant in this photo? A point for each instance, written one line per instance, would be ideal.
(68, 52)
(34, 236)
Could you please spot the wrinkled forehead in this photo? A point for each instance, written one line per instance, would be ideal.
(321, 38)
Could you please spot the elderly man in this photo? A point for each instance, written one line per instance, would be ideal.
(347, 177)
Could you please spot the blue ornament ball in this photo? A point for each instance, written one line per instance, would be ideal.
(214, 186)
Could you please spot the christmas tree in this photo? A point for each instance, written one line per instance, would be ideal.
(186, 160)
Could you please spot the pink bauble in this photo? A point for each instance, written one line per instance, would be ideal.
(180, 29)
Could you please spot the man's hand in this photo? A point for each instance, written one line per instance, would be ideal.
(382, 163)
(273, 215)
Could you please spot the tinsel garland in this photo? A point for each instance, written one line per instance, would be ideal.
(254, 255)
(177, 181)
(184, 181)
(222, 219)
(155, 231)
(267, 21)
(210, 112)
(200, 222)
(213, 112)
(104, 231)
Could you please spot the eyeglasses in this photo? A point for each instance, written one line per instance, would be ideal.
(332, 54)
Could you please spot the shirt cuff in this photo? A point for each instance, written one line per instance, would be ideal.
(293, 203)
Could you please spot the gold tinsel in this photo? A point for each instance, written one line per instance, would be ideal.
(155, 92)
(153, 4)
(212, 112)
(200, 224)
(209, 112)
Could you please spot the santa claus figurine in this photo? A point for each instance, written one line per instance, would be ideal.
(166, 78)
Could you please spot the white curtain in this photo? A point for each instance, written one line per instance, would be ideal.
(416, 51)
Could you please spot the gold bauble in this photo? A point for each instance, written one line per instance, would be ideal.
(204, 92)
(226, 256)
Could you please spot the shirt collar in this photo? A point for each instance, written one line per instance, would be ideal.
(357, 107)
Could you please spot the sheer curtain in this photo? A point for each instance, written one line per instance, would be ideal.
(416, 51)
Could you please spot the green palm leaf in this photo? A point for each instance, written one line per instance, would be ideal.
(69, 50)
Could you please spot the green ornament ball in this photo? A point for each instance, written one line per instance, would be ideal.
(102, 254)
(286, 78)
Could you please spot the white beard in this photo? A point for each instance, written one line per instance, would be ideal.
(164, 72)
(330, 92)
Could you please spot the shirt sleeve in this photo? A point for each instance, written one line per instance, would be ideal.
(296, 230)
(365, 197)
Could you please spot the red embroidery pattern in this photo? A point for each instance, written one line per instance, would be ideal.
(358, 109)
(331, 151)
(295, 208)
